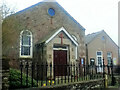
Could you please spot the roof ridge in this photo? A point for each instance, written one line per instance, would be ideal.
(95, 32)
(49, 1)
(90, 37)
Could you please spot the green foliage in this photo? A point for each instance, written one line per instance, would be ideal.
(15, 79)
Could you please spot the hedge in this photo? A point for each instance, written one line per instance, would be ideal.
(15, 80)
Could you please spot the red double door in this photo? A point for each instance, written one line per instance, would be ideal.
(60, 62)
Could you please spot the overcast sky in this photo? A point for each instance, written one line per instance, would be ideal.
(93, 15)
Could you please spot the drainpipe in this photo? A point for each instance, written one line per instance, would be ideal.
(42, 46)
(87, 70)
(118, 56)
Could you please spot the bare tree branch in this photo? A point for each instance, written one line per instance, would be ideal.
(6, 9)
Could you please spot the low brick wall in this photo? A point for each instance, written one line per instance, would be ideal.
(82, 85)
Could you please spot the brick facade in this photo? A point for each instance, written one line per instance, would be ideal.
(106, 45)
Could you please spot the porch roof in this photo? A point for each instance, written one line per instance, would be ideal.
(51, 35)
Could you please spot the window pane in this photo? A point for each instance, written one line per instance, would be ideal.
(82, 61)
(109, 54)
(99, 60)
(92, 61)
(29, 40)
(99, 53)
(25, 50)
(26, 33)
(25, 40)
(109, 60)
(22, 50)
(51, 12)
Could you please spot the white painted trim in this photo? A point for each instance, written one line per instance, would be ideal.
(31, 48)
(74, 37)
(62, 29)
(99, 56)
(99, 69)
(76, 52)
(59, 49)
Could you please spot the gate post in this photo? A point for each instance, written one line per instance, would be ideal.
(5, 74)
(104, 72)
(21, 67)
(106, 81)
(112, 81)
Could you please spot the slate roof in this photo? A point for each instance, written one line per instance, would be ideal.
(90, 37)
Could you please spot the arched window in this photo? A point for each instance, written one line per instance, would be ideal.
(26, 44)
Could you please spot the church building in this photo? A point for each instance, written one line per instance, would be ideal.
(43, 32)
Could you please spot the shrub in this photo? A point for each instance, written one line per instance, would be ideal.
(15, 79)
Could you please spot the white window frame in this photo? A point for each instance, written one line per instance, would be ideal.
(99, 68)
(31, 48)
(99, 56)
(75, 38)
(76, 52)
